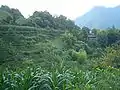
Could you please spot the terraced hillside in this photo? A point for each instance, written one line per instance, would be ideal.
(27, 39)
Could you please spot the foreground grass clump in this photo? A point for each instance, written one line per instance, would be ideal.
(38, 79)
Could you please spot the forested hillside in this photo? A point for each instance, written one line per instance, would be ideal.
(46, 52)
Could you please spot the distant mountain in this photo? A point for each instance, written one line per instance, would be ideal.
(100, 17)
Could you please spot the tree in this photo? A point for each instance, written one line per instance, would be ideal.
(16, 14)
(5, 17)
(112, 56)
(85, 32)
(69, 40)
(113, 35)
(95, 31)
(21, 21)
(102, 38)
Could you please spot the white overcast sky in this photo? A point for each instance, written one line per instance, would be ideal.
(69, 8)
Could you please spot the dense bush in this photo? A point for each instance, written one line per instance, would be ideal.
(80, 56)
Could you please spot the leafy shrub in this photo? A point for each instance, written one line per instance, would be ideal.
(80, 56)
(112, 57)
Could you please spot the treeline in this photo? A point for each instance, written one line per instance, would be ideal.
(41, 19)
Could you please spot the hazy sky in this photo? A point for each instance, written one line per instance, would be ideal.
(69, 8)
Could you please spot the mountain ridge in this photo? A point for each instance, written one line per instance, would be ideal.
(100, 17)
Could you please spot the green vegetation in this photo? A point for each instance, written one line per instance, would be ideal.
(44, 52)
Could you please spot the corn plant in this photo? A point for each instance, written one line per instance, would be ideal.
(38, 79)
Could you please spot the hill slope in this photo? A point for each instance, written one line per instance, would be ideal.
(100, 17)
